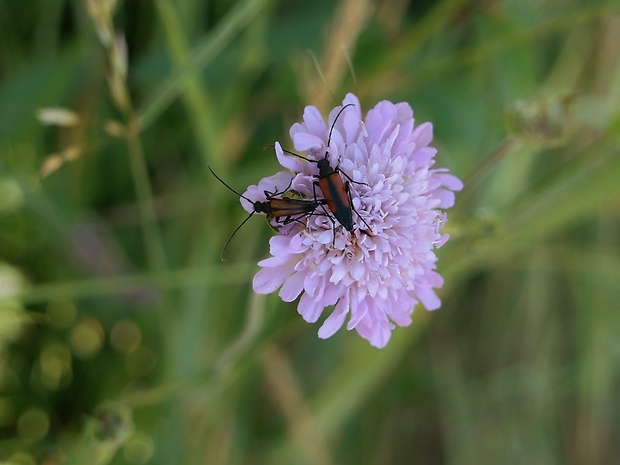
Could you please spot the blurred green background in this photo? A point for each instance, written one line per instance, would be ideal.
(125, 340)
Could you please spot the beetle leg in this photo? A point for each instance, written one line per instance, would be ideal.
(314, 185)
(347, 186)
(337, 170)
(271, 195)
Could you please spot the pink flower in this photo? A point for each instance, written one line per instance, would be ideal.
(375, 277)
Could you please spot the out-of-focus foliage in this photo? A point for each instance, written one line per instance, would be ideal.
(124, 339)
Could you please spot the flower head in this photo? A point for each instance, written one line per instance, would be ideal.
(375, 276)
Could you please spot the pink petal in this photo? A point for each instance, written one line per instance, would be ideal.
(311, 282)
(404, 112)
(428, 298)
(446, 198)
(297, 244)
(247, 206)
(309, 309)
(268, 280)
(424, 156)
(331, 295)
(358, 270)
(376, 124)
(433, 279)
(423, 134)
(288, 161)
(450, 181)
(334, 321)
(358, 314)
(314, 121)
(292, 287)
(274, 262)
(303, 142)
(404, 135)
(339, 271)
(442, 240)
(401, 310)
(274, 184)
(375, 332)
(278, 247)
(351, 98)
(380, 337)
(351, 123)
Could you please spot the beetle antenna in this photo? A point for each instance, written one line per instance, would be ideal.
(290, 153)
(297, 155)
(229, 188)
(329, 139)
(233, 235)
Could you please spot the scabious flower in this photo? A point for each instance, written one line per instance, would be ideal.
(376, 276)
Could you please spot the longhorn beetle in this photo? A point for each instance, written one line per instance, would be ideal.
(283, 210)
(335, 191)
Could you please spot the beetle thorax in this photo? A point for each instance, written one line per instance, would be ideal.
(261, 207)
(324, 167)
